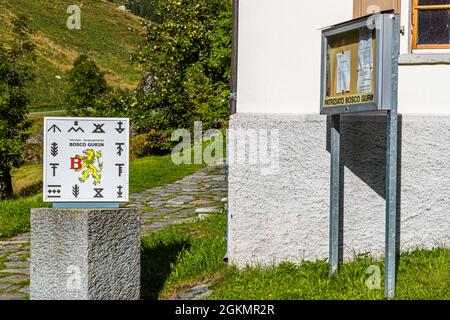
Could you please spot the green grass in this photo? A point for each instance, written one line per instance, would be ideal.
(190, 254)
(27, 180)
(145, 173)
(182, 255)
(15, 215)
(154, 171)
(107, 34)
(422, 275)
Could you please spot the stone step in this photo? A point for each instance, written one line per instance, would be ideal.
(209, 210)
(4, 243)
(22, 271)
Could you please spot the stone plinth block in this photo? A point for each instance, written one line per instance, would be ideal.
(85, 254)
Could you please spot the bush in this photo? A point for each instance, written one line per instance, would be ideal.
(113, 103)
(188, 54)
(152, 143)
(142, 8)
(186, 59)
(32, 153)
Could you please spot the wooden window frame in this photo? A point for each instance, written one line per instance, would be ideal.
(415, 25)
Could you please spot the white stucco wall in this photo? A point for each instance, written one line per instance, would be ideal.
(424, 89)
(279, 59)
(283, 214)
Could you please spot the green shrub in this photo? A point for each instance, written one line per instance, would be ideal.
(113, 103)
(152, 143)
(188, 54)
(32, 152)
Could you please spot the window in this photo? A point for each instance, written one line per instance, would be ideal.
(431, 24)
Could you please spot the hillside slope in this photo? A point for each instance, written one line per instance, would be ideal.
(107, 35)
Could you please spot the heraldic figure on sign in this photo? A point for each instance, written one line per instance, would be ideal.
(86, 159)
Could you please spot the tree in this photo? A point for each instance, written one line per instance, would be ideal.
(142, 8)
(188, 54)
(15, 74)
(86, 84)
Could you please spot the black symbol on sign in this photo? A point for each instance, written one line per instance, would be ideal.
(120, 129)
(55, 190)
(75, 127)
(98, 128)
(98, 192)
(120, 166)
(54, 166)
(76, 191)
(54, 128)
(54, 149)
(119, 192)
(120, 148)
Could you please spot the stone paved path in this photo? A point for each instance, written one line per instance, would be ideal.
(177, 202)
(160, 207)
(15, 268)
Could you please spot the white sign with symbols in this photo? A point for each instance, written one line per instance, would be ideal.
(86, 159)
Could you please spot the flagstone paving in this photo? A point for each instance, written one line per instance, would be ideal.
(160, 207)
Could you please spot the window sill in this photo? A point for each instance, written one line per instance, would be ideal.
(424, 59)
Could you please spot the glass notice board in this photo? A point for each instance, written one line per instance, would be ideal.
(357, 65)
(351, 63)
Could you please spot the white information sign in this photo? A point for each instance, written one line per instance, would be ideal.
(86, 159)
(343, 72)
(365, 61)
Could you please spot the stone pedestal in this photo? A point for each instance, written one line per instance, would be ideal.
(85, 254)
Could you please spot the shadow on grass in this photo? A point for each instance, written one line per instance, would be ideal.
(157, 258)
(30, 190)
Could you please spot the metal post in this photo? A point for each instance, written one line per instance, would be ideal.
(391, 176)
(391, 205)
(335, 184)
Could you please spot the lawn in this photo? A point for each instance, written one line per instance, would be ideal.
(183, 256)
(145, 173)
(27, 180)
(15, 215)
(154, 171)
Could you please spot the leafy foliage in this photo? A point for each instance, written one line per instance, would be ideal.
(15, 75)
(142, 8)
(153, 142)
(188, 53)
(86, 84)
(185, 58)
(113, 103)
